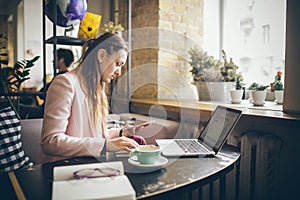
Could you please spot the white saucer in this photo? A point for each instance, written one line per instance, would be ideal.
(258, 104)
(236, 101)
(278, 102)
(159, 163)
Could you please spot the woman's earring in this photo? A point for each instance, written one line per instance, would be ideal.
(100, 60)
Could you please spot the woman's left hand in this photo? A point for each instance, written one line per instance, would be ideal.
(131, 130)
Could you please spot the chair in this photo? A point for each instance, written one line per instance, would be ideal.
(31, 130)
(31, 111)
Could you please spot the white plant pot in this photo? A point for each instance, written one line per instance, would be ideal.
(214, 91)
(278, 96)
(236, 96)
(270, 95)
(258, 97)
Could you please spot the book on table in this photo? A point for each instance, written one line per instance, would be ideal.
(83, 185)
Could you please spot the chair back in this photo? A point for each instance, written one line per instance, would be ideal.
(31, 131)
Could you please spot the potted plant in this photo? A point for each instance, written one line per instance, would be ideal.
(13, 77)
(204, 67)
(206, 74)
(278, 88)
(236, 94)
(112, 28)
(229, 69)
(212, 77)
(258, 92)
(231, 78)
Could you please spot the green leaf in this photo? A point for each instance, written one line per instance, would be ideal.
(4, 62)
(35, 59)
(30, 63)
(15, 83)
(24, 80)
(25, 73)
(19, 73)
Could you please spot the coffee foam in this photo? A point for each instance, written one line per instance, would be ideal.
(148, 148)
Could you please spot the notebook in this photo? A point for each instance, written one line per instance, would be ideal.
(65, 186)
(211, 138)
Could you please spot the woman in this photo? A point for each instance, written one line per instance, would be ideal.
(76, 106)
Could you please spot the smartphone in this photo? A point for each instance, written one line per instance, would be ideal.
(144, 124)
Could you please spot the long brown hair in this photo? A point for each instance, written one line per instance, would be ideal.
(90, 74)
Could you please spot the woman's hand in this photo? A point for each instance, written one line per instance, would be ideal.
(131, 130)
(121, 143)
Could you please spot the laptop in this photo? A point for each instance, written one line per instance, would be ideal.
(211, 138)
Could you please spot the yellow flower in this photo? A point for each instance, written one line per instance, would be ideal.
(112, 28)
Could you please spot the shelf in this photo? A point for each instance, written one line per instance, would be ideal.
(24, 93)
(65, 40)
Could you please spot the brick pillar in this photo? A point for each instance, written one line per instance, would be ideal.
(162, 33)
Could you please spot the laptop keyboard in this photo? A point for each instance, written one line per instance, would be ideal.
(191, 146)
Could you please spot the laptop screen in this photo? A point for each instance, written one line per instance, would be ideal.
(219, 127)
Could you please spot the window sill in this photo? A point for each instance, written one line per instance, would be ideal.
(269, 110)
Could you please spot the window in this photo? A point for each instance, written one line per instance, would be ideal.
(252, 32)
(266, 34)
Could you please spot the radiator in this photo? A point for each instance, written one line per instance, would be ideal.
(259, 166)
(255, 174)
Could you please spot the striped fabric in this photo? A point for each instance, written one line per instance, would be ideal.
(12, 155)
(115, 123)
